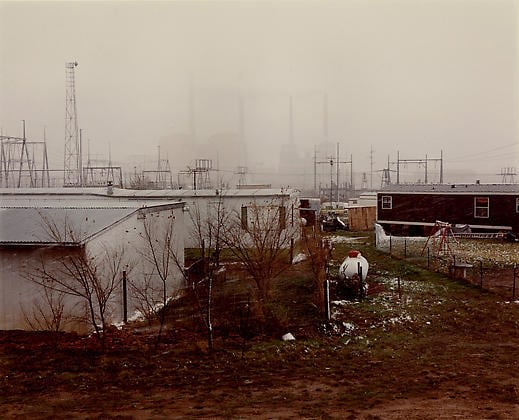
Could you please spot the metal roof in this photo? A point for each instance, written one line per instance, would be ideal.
(76, 201)
(56, 225)
(27, 213)
(43, 219)
(144, 194)
(453, 188)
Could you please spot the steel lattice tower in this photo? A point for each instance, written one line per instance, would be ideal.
(72, 168)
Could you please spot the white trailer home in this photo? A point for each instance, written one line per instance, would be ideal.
(238, 204)
(41, 227)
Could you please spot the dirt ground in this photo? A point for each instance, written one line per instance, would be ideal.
(425, 347)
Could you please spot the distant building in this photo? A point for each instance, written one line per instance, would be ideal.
(235, 201)
(414, 209)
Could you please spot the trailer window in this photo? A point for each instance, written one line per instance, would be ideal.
(517, 205)
(481, 207)
(387, 202)
(244, 218)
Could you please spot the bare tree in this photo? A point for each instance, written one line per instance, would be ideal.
(89, 278)
(48, 312)
(209, 227)
(155, 287)
(92, 279)
(261, 237)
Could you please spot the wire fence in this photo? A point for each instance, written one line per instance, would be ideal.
(490, 265)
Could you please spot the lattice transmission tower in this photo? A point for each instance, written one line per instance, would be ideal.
(73, 176)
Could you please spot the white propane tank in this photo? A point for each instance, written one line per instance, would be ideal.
(350, 266)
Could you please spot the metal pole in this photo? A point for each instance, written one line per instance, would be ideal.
(21, 156)
(315, 169)
(327, 299)
(426, 168)
(481, 273)
(338, 172)
(81, 157)
(125, 299)
(331, 180)
(441, 166)
(371, 169)
(361, 288)
(398, 167)
(351, 173)
(513, 287)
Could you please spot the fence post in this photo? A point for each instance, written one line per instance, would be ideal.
(481, 273)
(513, 288)
(399, 289)
(361, 288)
(125, 299)
(452, 270)
(390, 246)
(405, 248)
(327, 299)
(428, 261)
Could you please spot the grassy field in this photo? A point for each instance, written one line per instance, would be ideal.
(420, 345)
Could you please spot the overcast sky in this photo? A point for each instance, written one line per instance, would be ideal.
(418, 76)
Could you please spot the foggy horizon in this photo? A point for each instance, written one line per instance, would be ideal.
(215, 80)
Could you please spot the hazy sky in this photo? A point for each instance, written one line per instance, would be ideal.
(418, 76)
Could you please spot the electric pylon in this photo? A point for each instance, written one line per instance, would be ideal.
(72, 168)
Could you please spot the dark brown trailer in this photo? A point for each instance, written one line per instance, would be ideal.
(414, 209)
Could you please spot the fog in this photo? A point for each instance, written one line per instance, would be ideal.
(218, 79)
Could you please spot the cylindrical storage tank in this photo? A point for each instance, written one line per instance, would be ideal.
(350, 266)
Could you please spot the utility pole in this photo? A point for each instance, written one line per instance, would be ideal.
(81, 183)
(371, 168)
(424, 162)
(332, 161)
(398, 167)
(315, 169)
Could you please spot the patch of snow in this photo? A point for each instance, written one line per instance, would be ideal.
(298, 258)
(288, 337)
(345, 239)
(348, 327)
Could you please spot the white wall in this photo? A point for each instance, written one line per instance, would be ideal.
(130, 235)
(20, 296)
(233, 205)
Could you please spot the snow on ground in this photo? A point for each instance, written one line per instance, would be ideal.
(412, 303)
(345, 239)
(298, 258)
